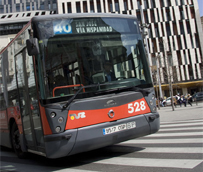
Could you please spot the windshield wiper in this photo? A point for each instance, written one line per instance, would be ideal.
(87, 86)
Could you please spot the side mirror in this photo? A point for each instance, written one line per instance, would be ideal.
(32, 46)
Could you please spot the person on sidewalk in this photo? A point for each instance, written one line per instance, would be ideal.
(183, 100)
(189, 99)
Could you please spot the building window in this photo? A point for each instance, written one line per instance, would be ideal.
(175, 29)
(188, 27)
(182, 16)
(42, 6)
(152, 16)
(117, 6)
(157, 30)
(63, 8)
(168, 29)
(192, 12)
(92, 6)
(138, 16)
(182, 2)
(110, 5)
(85, 6)
(176, 2)
(104, 5)
(168, 3)
(162, 3)
(98, 6)
(181, 27)
(179, 43)
(78, 9)
(168, 16)
(125, 5)
(69, 7)
(153, 4)
(146, 5)
(197, 40)
(138, 4)
(146, 17)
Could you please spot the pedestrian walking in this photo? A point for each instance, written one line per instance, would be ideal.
(178, 98)
(183, 100)
(189, 99)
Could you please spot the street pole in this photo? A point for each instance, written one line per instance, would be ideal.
(158, 76)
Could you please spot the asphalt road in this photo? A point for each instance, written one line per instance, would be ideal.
(177, 147)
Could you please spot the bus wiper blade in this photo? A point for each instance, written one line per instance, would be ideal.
(87, 86)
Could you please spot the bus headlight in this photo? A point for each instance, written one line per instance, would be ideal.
(52, 114)
(153, 96)
(60, 119)
(58, 129)
(154, 109)
(151, 102)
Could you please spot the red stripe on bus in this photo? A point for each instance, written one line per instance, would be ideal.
(45, 123)
(82, 118)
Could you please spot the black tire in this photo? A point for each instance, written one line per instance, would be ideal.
(15, 140)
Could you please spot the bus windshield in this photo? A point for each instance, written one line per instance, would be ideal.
(79, 52)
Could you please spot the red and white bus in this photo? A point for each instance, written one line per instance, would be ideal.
(75, 82)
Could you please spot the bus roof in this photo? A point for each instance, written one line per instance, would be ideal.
(80, 15)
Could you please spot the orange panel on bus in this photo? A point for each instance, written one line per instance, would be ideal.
(82, 118)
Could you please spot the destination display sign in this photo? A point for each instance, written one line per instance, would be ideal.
(80, 26)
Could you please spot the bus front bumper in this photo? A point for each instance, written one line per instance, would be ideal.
(93, 137)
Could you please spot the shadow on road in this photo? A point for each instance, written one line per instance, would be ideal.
(74, 160)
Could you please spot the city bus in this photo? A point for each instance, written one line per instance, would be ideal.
(72, 83)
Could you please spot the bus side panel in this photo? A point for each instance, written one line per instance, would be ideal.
(5, 138)
(4, 131)
(3, 120)
(14, 112)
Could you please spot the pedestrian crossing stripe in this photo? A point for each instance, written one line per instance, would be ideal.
(181, 124)
(73, 170)
(183, 121)
(181, 129)
(175, 134)
(150, 162)
(188, 150)
(164, 141)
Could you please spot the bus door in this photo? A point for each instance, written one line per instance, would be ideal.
(28, 102)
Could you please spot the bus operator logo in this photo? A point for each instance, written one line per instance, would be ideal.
(77, 116)
(111, 114)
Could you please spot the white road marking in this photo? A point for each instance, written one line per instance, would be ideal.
(183, 129)
(150, 162)
(164, 141)
(175, 134)
(180, 125)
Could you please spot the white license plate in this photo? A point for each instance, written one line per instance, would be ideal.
(120, 127)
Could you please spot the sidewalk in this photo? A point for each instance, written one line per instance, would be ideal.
(181, 113)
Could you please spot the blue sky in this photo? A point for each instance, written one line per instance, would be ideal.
(200, 2)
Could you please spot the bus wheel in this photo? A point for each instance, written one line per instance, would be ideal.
(15, 139)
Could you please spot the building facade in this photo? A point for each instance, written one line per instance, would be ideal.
(15, 6)
(174, 41)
